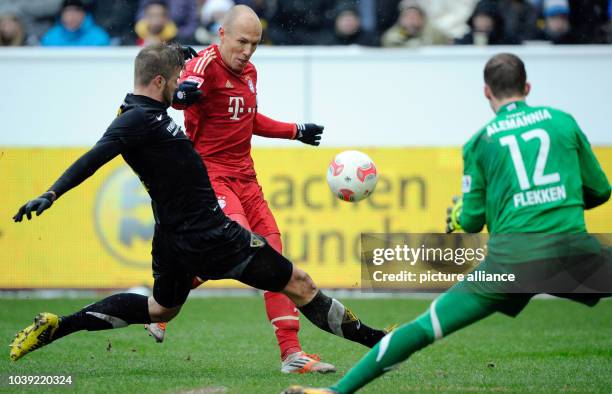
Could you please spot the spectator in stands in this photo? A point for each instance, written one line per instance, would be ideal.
(155, 25)
(37, 16)
(300, 22)
(75, 28)
(486, 26)
(211, 19)
(520, 20)
(259, 6)
(184, 15)
(413, 29)
(12, 32)
(450, 16)
(116, 17)
(608, 27)
(588, 19)
(557, 28)
(347, 29)
(537, 4)
(376, 15)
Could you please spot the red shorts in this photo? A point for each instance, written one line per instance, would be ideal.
(245, 197)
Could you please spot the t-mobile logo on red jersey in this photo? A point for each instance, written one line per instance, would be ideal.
(236, 107)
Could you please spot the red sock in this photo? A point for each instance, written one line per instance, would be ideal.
(282, 313)
(283, 316)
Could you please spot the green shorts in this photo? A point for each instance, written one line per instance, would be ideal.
(585, 279)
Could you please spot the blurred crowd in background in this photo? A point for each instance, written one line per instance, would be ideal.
(387, 23)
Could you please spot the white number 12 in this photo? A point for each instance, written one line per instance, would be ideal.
(538, 178)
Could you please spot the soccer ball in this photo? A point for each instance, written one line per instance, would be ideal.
(352, 176)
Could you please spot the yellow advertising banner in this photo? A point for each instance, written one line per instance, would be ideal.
(99, 234)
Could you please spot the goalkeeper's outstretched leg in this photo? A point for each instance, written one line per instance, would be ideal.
(448, 313)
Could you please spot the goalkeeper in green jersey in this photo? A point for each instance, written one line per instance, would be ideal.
(529, 174)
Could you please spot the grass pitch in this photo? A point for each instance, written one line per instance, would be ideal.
(226, 345)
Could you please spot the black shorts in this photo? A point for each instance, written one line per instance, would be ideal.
(227, 251)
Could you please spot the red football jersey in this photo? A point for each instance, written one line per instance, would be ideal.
(222, 124)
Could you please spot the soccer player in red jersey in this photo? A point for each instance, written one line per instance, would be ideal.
(221, 126)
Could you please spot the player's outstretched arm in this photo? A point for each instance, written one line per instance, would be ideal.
(308, 133)
(83, 168)
(270, 128)
(472, 216)
(468, 212)
(470, 209)
(595, 184)
(125, 131)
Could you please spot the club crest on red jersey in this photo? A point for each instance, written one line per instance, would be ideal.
(251, 85)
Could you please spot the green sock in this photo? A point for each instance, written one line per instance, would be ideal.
(391, 350)
(448, 313)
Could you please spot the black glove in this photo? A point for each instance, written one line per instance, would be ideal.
(38, 204)
(187, 93)
(309, 133)
(188, 52)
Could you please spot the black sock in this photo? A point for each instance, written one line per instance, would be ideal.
(115, 311)
(330, 315)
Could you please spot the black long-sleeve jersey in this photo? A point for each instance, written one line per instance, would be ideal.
(162, 156)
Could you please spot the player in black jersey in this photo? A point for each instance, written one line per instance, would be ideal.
(192, 235)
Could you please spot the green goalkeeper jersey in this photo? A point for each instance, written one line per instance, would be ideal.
(530, 170)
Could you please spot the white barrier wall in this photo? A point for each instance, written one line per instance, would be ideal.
(364, 97)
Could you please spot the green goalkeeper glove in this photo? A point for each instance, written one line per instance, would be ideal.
(452, 215)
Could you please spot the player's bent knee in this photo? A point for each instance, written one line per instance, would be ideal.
(301, 288)
(159, 313)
